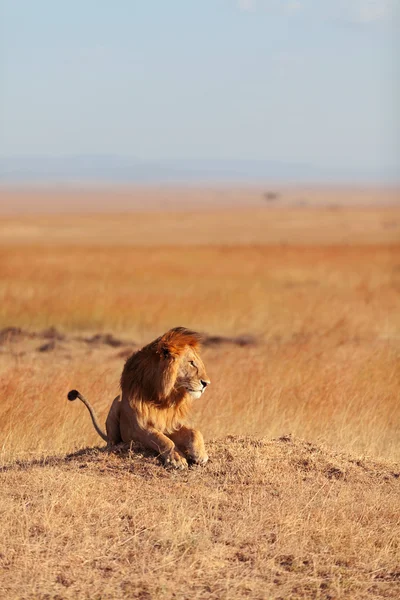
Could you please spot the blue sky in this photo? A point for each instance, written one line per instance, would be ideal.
(308, 81)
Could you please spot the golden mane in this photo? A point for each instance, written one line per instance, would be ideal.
(149, 375)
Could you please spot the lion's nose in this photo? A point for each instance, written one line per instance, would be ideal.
(204, 383)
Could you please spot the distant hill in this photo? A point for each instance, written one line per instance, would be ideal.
(117, 169)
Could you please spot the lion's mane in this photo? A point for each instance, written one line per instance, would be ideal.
(149, 376)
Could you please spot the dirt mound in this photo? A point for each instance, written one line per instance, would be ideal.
(310, 461)
(13, 334)
(105, 338)
(21, 341)
(53, 339)
(275, 519)
(51, 333)
(241, 340)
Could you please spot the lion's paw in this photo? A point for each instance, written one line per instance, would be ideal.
(176, 460)
(199, 459)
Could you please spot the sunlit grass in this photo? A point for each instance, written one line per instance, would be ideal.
(325, 364)
(277, 519)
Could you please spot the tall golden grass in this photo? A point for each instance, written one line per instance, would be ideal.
(265, 519)
(324, 321)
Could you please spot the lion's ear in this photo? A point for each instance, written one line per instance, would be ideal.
(164, 351)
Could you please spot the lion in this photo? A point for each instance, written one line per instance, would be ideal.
(158, 386)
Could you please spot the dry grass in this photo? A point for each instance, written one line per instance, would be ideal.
(344, 392)
(265, 519)
(240, 226)
(283, 519)
(269, 291)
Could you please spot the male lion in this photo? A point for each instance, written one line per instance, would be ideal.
(158, 384)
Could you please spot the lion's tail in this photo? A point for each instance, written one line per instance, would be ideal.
(73, 395)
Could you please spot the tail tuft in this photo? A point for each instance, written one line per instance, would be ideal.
(73, 395)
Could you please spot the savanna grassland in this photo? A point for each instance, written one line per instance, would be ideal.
(298, 296)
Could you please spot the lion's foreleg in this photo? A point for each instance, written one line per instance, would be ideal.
(155, 440)
(191, 443)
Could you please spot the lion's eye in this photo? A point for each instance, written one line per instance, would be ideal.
(193, 363)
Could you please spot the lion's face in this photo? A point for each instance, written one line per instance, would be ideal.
(192, 375)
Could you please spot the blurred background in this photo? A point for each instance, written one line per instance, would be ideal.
(230, 166)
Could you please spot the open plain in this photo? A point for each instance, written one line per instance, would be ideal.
(297, 292)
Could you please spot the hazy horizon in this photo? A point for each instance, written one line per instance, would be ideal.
(116, 170)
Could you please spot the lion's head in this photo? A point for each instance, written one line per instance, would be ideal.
(180, 348)
(168, 370)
